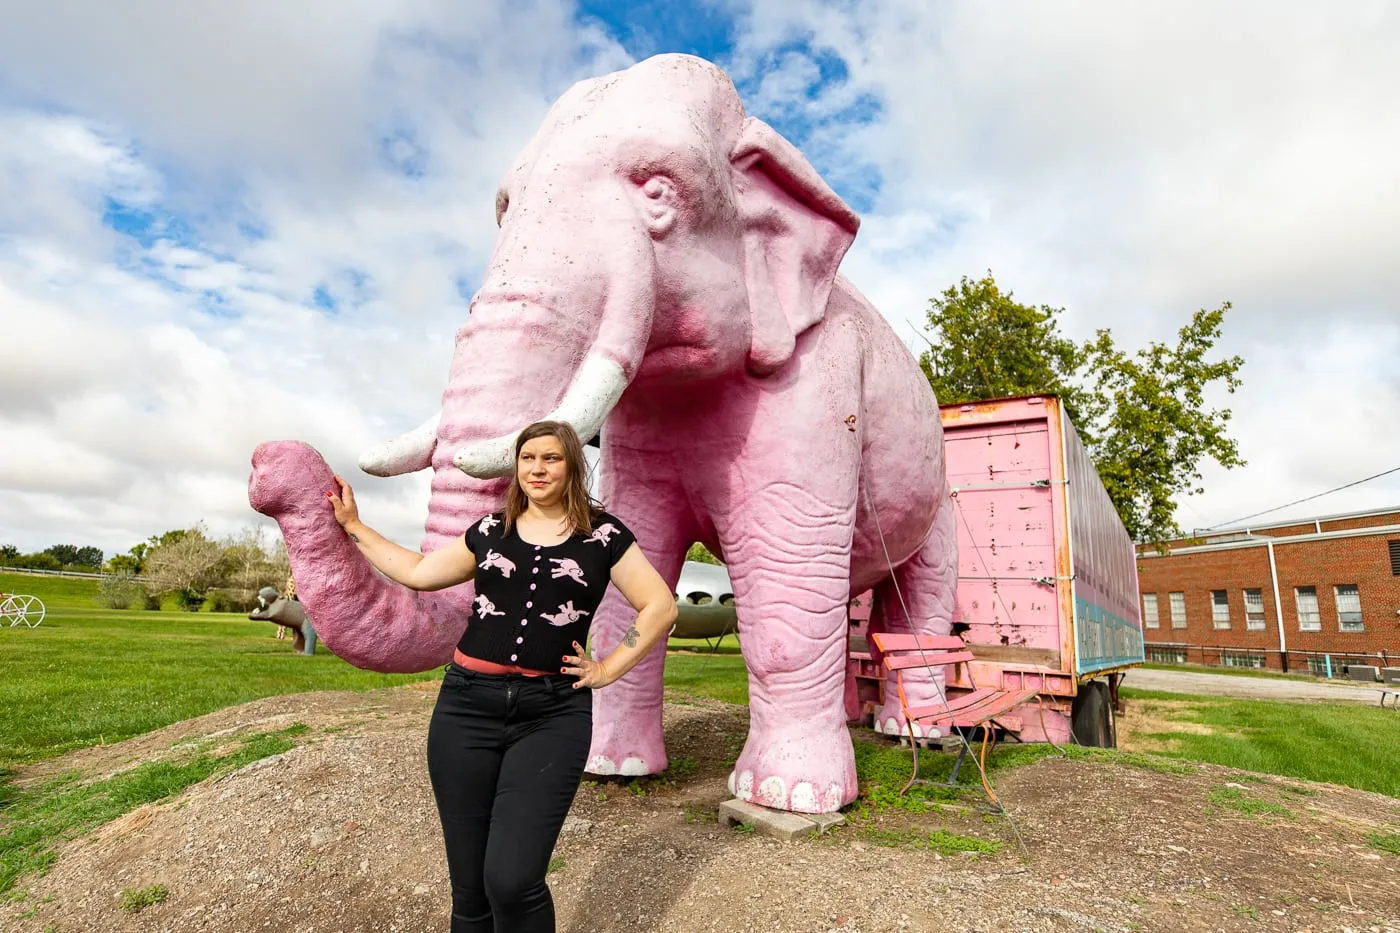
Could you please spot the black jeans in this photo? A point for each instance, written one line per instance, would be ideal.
(505, 755)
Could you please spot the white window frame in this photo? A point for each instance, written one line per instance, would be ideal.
(1150, 617)
(1309, 619)
(1242, 659)
(1348, 620)
(1220, 613)
(1177, 602)
(1254, 618)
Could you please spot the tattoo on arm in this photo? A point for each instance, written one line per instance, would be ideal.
(630, 637)
(353, 537)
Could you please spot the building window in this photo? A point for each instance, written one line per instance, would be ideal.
(1309, 619)
(1349, 607)
(1238, 659)
(1166, 655)
(1317, 666)
(1220, 608)
(1395, 557)
(1178, 604)
(1149, 610)
(1254, 610)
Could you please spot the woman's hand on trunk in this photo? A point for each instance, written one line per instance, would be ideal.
(447, 566)
(343, 504)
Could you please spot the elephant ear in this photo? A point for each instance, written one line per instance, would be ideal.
(796, 231)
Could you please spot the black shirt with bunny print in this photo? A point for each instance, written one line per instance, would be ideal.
(534, 601)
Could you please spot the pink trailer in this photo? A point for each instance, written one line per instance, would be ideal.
(1047, 574)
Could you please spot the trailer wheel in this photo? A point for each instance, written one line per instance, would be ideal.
(1091, 717)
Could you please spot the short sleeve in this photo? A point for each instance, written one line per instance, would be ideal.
(478, 532)
(619, 541)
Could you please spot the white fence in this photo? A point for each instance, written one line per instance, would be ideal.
(52, 573)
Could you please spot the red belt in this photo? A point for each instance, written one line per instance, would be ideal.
(491, 667)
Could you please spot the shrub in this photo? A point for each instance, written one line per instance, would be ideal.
(120, 591)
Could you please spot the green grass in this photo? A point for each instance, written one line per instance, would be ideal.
(939, 840)
(1357, 746)
(720, 676)
(1384, 842)
(72, 592)
(882, 769)
(726, 645)
(1232, 798)
(37, 819)
(1232, 671)
(88, 676)
(135, 900)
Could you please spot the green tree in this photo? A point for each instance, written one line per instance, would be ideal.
(63, 553)
(985, 345)
(188, 564)
(89, 557)
(1143, 416)
(70, 555)
(128, 564)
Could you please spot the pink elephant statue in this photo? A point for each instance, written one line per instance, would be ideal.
(666, 274)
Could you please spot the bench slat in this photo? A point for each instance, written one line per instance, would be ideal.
(904, 662)
(954, 705)
(971, 709)
(889, 641)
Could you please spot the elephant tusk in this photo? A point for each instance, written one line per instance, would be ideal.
(597, 387)
(407, 453)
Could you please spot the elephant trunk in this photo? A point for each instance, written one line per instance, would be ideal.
(359, 615)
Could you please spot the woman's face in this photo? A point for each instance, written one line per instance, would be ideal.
(542, 470)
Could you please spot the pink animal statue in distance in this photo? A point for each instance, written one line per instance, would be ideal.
(671, 265)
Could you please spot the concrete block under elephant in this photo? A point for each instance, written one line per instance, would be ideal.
(667, 273)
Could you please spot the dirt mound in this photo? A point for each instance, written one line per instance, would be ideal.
(340, 833)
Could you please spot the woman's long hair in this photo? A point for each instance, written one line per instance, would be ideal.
(579, 506)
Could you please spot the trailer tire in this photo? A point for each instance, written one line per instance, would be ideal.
(1091, 717)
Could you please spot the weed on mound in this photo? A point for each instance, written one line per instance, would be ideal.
(33, 822)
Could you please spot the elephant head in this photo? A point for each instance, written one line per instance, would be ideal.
(649, 231)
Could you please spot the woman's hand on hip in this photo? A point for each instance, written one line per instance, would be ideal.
(590, 673)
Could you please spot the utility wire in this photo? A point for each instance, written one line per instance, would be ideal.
(1300, 501)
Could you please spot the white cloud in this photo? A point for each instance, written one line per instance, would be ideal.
(268, 150)
(1130, 163)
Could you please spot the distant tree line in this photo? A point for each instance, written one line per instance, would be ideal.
(184, 563)
(57, 557)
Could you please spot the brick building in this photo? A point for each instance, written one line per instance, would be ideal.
(1296, 596)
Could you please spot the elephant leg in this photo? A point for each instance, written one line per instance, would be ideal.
(791, 570)
(627, 733)
(918, 600)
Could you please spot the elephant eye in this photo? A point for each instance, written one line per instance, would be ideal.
(502, 205)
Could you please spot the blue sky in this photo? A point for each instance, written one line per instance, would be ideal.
(198, 253)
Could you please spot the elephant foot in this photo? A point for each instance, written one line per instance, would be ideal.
(889, 720)
(627, 748)
(921, 688)
(796, 767)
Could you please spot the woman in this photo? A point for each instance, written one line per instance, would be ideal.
(511, 730)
